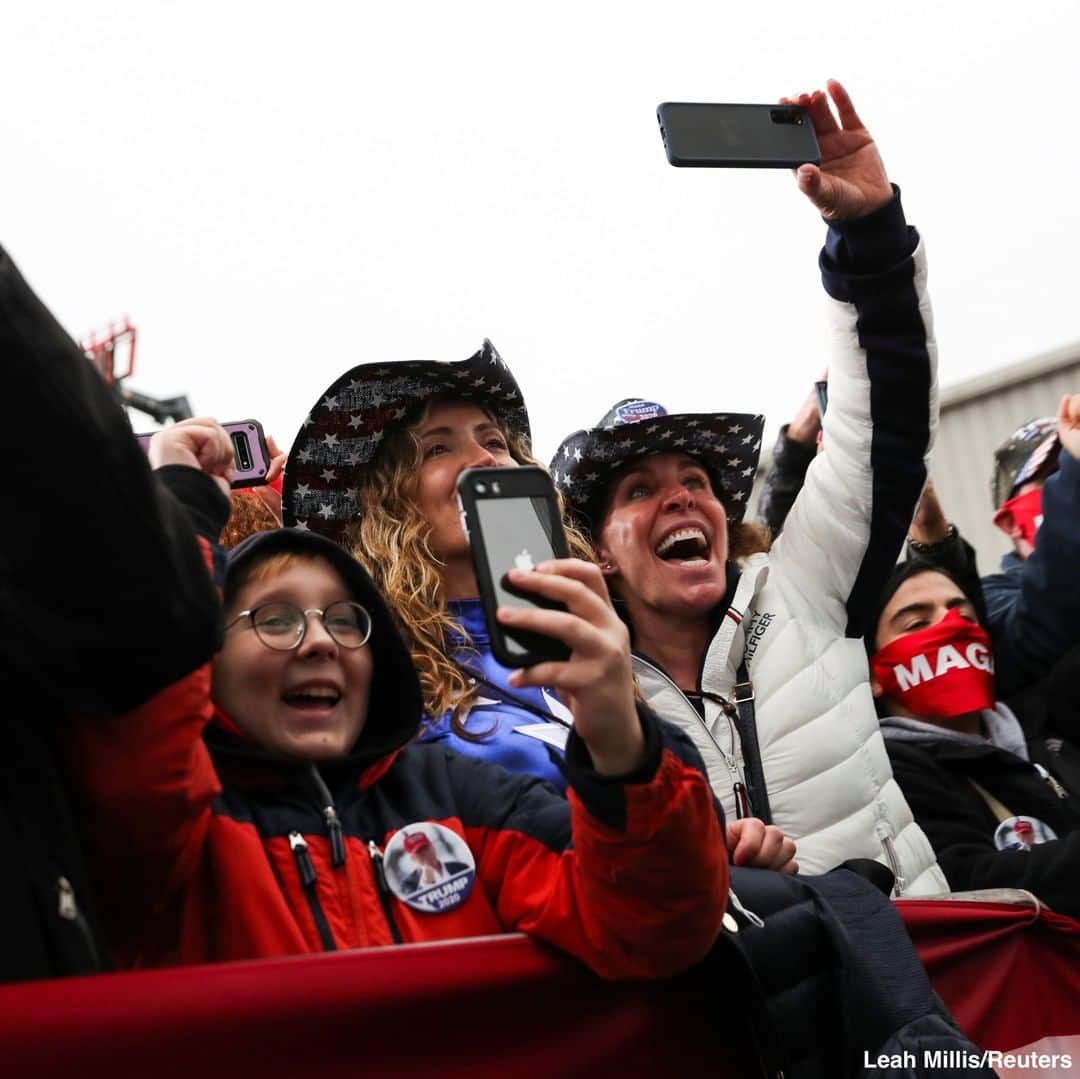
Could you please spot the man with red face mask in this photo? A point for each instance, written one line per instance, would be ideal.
(1000, 805)
(1033, 604)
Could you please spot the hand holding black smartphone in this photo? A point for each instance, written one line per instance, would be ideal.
(700, 135)
(512, 520)
(250, 452)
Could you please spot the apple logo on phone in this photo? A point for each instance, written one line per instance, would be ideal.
(523, 561)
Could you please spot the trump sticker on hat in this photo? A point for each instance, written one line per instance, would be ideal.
(636, 410)
(429, 867)
(1022, 833)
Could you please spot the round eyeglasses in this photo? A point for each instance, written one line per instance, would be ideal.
(283, 626)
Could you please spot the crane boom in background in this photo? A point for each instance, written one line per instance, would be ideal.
(112, 352)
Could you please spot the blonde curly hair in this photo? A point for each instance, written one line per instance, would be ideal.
(391, 537)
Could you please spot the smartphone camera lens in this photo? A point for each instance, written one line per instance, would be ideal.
(786, 116)
(481, 488)
(241, 451)
(495, 487)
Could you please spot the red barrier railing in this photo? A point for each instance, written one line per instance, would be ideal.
(1009, 973)
(495, 1007)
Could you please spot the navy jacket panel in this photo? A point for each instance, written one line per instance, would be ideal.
(839, 973)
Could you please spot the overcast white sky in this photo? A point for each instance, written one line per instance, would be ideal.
(276, 192)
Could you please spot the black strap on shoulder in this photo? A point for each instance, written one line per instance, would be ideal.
(747, 724)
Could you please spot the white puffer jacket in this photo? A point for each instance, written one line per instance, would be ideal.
(799, 611)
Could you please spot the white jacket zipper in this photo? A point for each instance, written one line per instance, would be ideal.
(727, 756)
(894, 864)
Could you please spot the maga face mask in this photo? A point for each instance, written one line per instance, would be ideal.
(1026, 512)
(942, 671)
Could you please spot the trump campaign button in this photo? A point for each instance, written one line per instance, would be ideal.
(1022, 833)
(429, 867)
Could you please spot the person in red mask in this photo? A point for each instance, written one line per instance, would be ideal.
(1031, 608)
(1022, 465)
(1000, 804)
(1033, 604)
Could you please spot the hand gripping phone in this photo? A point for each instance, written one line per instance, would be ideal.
(737, 136)
(251, 454)
(511, 518)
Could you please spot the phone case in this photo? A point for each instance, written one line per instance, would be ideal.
(250, 452)
(533, 530)
(699, 135)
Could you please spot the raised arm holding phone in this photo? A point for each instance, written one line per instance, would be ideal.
(756, 656)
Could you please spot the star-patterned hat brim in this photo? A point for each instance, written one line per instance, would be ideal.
(339, 438)
(727, 443)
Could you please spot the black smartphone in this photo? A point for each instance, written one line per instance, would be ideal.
(251, 454)
(737, 136)
(822, 389)
(511, 518)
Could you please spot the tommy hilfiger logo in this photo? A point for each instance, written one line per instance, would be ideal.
(757, 630)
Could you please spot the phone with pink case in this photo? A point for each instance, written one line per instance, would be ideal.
(251, 454)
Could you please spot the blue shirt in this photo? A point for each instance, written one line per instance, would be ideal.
(496, 718)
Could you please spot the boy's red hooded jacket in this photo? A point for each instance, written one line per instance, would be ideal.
(206, 847)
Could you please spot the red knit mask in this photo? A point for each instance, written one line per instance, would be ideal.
(944, 670)
(1026, 511)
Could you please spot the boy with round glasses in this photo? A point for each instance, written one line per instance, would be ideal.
(275, 802)
(283, 626)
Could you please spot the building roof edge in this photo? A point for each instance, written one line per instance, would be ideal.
(1014, 374)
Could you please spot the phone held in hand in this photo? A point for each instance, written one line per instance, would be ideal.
(737, 136)
(250, 453)
(511, 519)
(821, 388)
